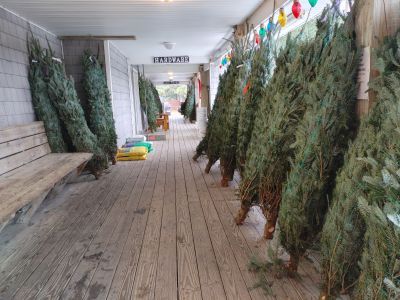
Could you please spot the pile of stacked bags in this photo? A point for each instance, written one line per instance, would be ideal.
(135, 148)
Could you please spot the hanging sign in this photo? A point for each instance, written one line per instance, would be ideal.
(171, 59)
(171, 82)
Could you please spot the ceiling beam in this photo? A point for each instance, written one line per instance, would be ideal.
(100, 37)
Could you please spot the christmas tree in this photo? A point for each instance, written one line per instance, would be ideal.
(202, 147)
(273, 135)
(344, 232)
(44, 109)
(321, 141)
(223, 135)
(189, 106)
(380, 210)
(62, 92)
(217, 130)
(157, 98)
(241, 59)
(100, 110)
(149, 102)
(259, 76)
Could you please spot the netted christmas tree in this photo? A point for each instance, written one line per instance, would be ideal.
(222, 134)
(62, 92)
(202, 147)
(101, 120)
(157, 98)
(183, 108)
(215, 138)
(261, 69)
(276, 121)
(44, 109)
(241, 60)
(189, 106)
(321, 141)
(380, 209)
(149, 102)
(343, 235)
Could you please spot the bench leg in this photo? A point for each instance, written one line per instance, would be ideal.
(24, 215)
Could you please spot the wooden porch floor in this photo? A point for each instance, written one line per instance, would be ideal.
(156, 229)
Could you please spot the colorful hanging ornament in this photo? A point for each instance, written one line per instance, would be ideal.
(246, 88)
(262, 31)
(282, 18)
(256, 38)
(271, 25)
(313, 2)
(229, 57)
(296, 9)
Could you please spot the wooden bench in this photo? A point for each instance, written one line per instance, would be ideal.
(163, 121)
(29, 171)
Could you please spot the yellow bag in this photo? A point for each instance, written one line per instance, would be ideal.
(132, 158)
(132, 151)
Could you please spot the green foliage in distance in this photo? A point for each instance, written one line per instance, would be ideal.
(101, 120)
(42, 104)
(344, 232)
(321, 140)
(172, 91)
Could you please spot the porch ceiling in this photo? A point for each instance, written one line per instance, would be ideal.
(196, 26)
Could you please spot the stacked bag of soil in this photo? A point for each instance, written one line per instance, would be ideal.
(135, 148)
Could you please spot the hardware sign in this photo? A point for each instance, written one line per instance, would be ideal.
(171, 60)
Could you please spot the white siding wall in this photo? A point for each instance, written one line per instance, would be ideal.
(15, 96)
(122, 92)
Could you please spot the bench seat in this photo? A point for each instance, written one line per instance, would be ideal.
(29, 171)
(35, 180)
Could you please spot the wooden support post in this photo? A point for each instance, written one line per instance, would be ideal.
(376, 20)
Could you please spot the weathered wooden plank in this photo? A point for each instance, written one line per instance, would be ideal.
(15, 146)
(172, 212)
(236, 239)
(79, 284)
(101, 281)
(44, 225)
(123, 279)
(210, 278)
(15, 161)
(234, 285)
(146, 271)
(18, 190)
(167, 277)
(188, 276)
(19, 268)
(56, 284)
(58, 246)
(21, 131)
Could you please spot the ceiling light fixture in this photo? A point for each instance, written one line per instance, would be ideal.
(169, 45)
